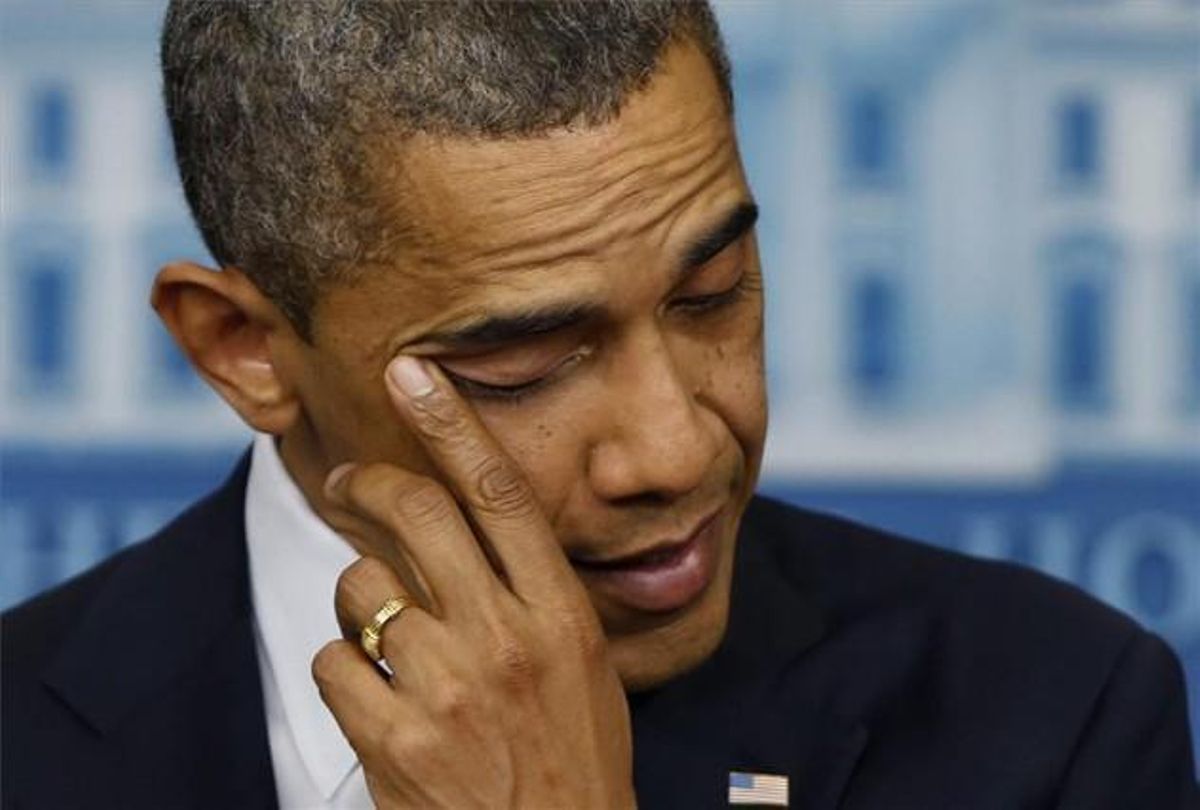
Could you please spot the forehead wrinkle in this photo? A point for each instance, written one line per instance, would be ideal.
(503, 213)
(510, 195)
(583, 229)
(505, 279)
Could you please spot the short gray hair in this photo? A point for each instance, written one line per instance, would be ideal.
(274, 104)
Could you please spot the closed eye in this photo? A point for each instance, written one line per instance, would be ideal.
(473, 389)
(700, 304)
(514, 392)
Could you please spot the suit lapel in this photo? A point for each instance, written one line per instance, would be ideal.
(164, 665)
(749, 707)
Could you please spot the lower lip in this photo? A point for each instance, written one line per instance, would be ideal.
(663, 585)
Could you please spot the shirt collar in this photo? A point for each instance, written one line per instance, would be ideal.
(295, 560)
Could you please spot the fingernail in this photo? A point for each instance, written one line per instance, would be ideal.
(334, 480)
(409, 375)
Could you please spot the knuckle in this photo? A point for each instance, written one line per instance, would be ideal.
(396, 742)
(453, 699)
(356, 578)
(581, 633)
(356, 592)
(346, 582)
(323, 665)
(501, 486)
(514, 665)
(368, 484)
(423, 502)
(594, 649)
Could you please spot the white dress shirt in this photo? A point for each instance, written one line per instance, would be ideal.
(295, 560)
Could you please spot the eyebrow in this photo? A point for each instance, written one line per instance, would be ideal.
(740, 220)
(498, 330)
(501, 329)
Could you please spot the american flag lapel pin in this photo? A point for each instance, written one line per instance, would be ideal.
(762, 789)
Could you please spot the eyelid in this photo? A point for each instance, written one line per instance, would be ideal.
(730, 258)
(477, 389)
(472, 389)
(714, 300)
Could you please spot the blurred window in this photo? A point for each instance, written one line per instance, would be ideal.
(870, 139)
(1079, 141)
(1082, 362)
(1084, 271)
(874, 339)
(51, 132)
(47, 292)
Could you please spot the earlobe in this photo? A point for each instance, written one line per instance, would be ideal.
(232, 334)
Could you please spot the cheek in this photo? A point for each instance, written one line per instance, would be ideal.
(549, 441)
(353, 419)
(734, 385)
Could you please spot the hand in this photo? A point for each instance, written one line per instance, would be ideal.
(502, 693)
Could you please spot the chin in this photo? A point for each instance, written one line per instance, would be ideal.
(653, 658)
(650, 656)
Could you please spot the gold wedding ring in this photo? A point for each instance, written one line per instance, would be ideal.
(372, 634)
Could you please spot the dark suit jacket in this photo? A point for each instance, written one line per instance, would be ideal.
(873, 672)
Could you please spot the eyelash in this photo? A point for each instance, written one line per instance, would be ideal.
(513, 394)
(501, 393)
(474, 389)
(702, 304)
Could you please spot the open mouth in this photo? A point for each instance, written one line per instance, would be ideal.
(663, 578)
(657, 556)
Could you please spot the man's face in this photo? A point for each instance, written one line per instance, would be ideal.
(596, 296)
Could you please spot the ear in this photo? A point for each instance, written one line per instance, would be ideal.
(233, 335)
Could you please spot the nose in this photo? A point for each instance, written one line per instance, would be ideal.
(659, 442)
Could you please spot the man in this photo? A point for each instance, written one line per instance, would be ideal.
(490, 295)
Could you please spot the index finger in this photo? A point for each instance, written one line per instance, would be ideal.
(485, 478)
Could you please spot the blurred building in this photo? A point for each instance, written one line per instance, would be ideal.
(981, 232)
(985, 241)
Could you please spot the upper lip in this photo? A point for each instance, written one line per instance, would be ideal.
(661, 547)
